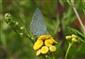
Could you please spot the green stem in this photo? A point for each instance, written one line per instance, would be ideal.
(70, 44)
(45, 57)
(78, 17)
(53, 56)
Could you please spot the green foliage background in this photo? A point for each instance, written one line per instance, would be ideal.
(12, 46)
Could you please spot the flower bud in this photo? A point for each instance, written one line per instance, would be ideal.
(21, 27)
(38, 44)
(44, 50)
(68, 37)
(16, 23)
(74, 36)
(48, 42)
(38, 52)
(44, 37)
(7, 16)
(21, 34)
(74, 40)
(52, 48)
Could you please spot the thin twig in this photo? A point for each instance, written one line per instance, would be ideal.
(77, 15)
(70, 44)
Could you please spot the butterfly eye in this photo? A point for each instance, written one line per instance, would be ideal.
(37, 25)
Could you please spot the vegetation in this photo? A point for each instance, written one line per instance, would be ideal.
(42, 29)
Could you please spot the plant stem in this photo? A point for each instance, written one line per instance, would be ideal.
(70, 44)
(77, 15)
(45, 57)
(53, 56)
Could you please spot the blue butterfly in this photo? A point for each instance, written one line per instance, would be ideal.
(37, 26)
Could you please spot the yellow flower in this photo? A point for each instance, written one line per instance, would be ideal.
(52, 48)
(49, 42)
(44, 50)
(44, 44)
(68, 37)
(74, 36)
(38, 52)
(44, 37)
(53, 40)
(74, 40)
(38, 44)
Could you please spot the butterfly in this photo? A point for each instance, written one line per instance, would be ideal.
(37, 26)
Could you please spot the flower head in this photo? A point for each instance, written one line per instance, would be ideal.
(52, 48)
(50, 42)
(44, 50)
(44, 37)
(43, 44)
(72, 38)
(38, 52)
(38, 44)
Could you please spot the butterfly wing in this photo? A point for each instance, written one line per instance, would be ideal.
(37, 25)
